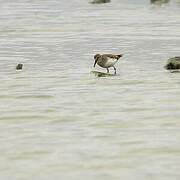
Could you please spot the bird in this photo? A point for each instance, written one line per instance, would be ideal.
(19, 66)
(107, 60)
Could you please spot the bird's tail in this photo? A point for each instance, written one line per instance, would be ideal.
(120, 55)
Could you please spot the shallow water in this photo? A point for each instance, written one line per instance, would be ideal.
(59, 121)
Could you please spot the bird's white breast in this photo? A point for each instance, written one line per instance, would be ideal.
(110, 62)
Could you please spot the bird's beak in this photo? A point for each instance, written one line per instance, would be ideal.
(95, 63)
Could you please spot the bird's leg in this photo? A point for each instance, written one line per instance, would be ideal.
(107, 70)
(114, 70)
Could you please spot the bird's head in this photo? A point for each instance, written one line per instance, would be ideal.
(96, 57)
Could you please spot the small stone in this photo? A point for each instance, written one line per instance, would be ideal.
(19, 66)
(100, 1)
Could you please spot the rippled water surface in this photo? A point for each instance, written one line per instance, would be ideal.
(59, 121)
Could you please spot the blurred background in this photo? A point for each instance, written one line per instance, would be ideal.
(59, 121)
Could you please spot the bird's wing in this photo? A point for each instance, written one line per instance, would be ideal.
(113, 56)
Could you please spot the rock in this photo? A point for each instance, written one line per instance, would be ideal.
(101, 74)
(19, 66)
(159, 1)
(99, 1)
(173, 63)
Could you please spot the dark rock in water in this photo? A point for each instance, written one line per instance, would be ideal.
(101, 74)
(19, 66)
(173, 63)
(99, 1)
(159, 1)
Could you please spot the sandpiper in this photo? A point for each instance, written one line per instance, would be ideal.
(107, 60)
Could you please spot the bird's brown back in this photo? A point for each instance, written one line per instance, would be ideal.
(112, 56)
